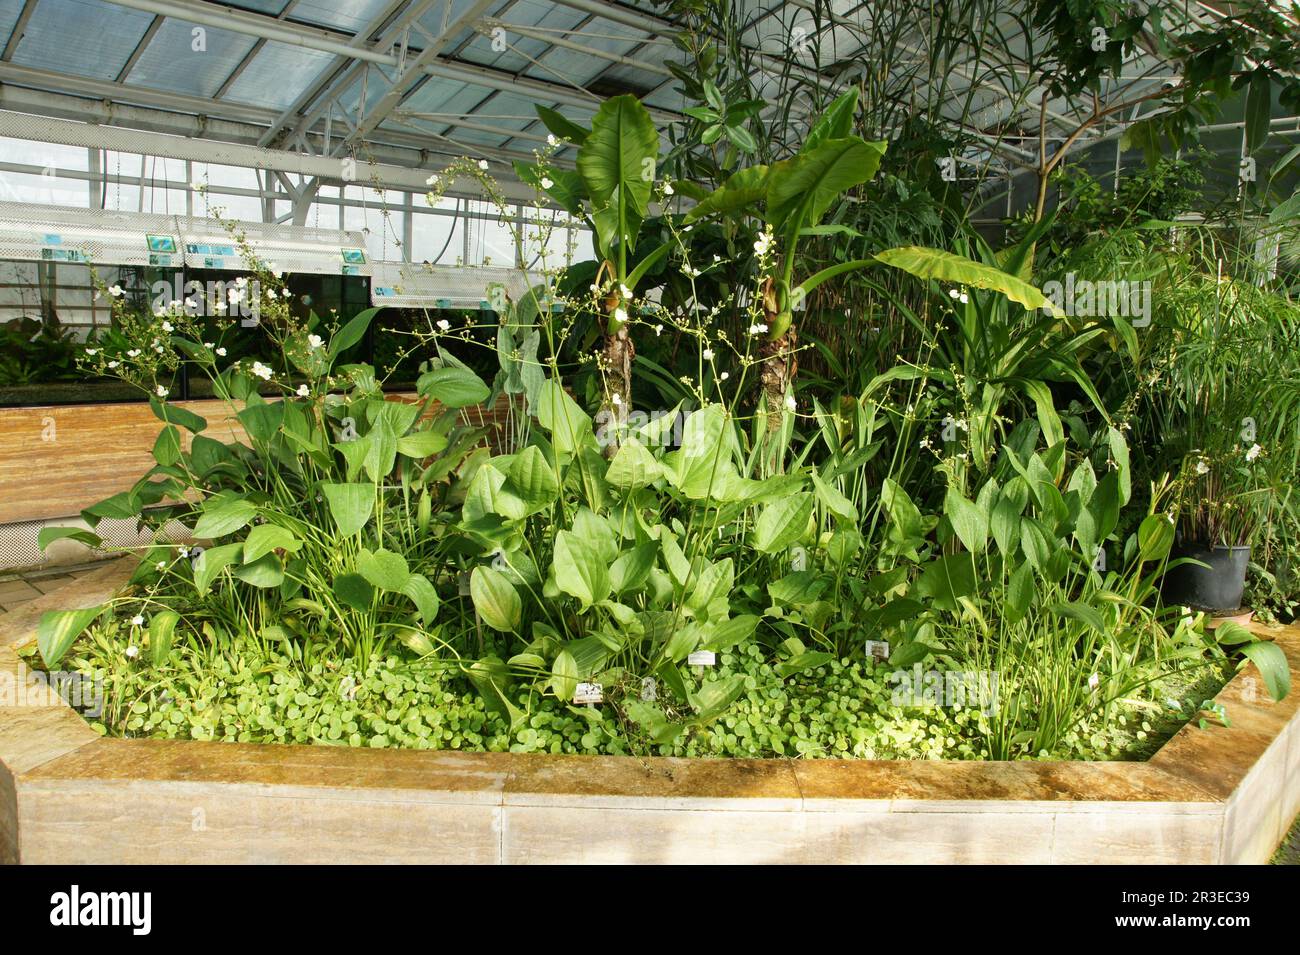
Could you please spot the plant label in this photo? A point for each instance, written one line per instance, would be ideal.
(878, 650)
(588, 693)
(702, 658)
(649, 690)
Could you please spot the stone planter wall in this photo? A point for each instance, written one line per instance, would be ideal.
(1218, 795)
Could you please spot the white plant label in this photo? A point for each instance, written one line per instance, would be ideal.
(702, 658)
(878, 650)
(588, 693)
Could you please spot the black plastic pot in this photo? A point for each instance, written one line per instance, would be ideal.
(1217, 587)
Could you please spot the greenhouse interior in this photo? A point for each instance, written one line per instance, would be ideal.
(661, 432)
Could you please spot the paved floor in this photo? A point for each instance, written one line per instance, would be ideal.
(18, 588)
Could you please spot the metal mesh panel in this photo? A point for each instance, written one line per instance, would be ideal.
(19, 549)
(285, 248)
(432, 286)
(35, 232)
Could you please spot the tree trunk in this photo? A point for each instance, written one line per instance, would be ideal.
(779, 367)
(617, 361)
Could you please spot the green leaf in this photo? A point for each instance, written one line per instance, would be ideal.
(802, 188)
(533, 480)
(713, 698)
(421, 444)
(729, 633)
(453, 386)
(212, 562)
(384, 569)
(162, 627)
(782, 523)
(167, 448)
(1081, 612)
(350, 505)
(174, 414)
(351, 333)
(737, 193)
(1020, 593)
(579, 570)
(947, 579)
(564, 676)
(48, 535)
(59, 629)
(633, 466)
(941, 266)
(495, 599)
(836, 122)
(834, 501)
(262, 421)
(424, 596)
(1259, 109)
(560, 415)
(967, 520)
(265, 538)
(1273, 667)
(561, 125)
(1155, 537)
(617, 162)
(632, 568)
(225, 518)
(353, 590)
(266, 572)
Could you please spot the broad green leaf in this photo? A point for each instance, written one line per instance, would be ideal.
(351, 333)
(162, 627)
(956, 269)
(424, 596)
(782, 523)
(167, 448)
(421, 444)
(1020, 593)
(617, 162)
(1155, 537)
(533, 480)
(560, 415)
(632, 568)
(561, 125)
(350, 505)
(737, 193)
(268, 537)
(175, 414)
(730, 633)
(223, 519)
(836, 122)
(48, 535)
(262, 421)
(59, 629)
(265, 572)
(802, 188)
(579, 570)
(1273, 667)
(212, 562)
(967, 520)
(453, 387)
(384, 569)
(633, 466)
(834, 501)
(946, 580)
(353, 590)
(496, 599)
(564, 676)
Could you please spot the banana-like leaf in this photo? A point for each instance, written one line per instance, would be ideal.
(943, 266)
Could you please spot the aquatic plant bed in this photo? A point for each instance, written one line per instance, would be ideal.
(1212, 794)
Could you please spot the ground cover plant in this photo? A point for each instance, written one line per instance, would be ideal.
(958, 555)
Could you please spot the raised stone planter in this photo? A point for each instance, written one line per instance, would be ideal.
(1219, 795)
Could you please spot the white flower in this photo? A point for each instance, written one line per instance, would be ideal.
(616, 400)
(758, 329)
(964, 298)
(764, 242)
(137, 621)
(158, 349)
(790, 403)
(116, 291)
(241, 281)
(444, 324)
(551, 140)
(659, 330)
(161, 391)
(207, 345)
(183, 551)
(624, 290)
(708, 354)
(133, 353)
(162, 565)
(261, 371)
(303, 391)
(218, 306)
(132, 652)
(235, 294)
(1254, 452)
(668, 188)
(432, 180)
(954, 293)
(1093, 681)
(620, 314)
(315, 341)
(221, 352)
(190, 303)
(1202, 467)
(285, 293)
(724, 376)
(167, 326)
(546, 182)
(91, 351)
(113, 364)
(483, 164)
